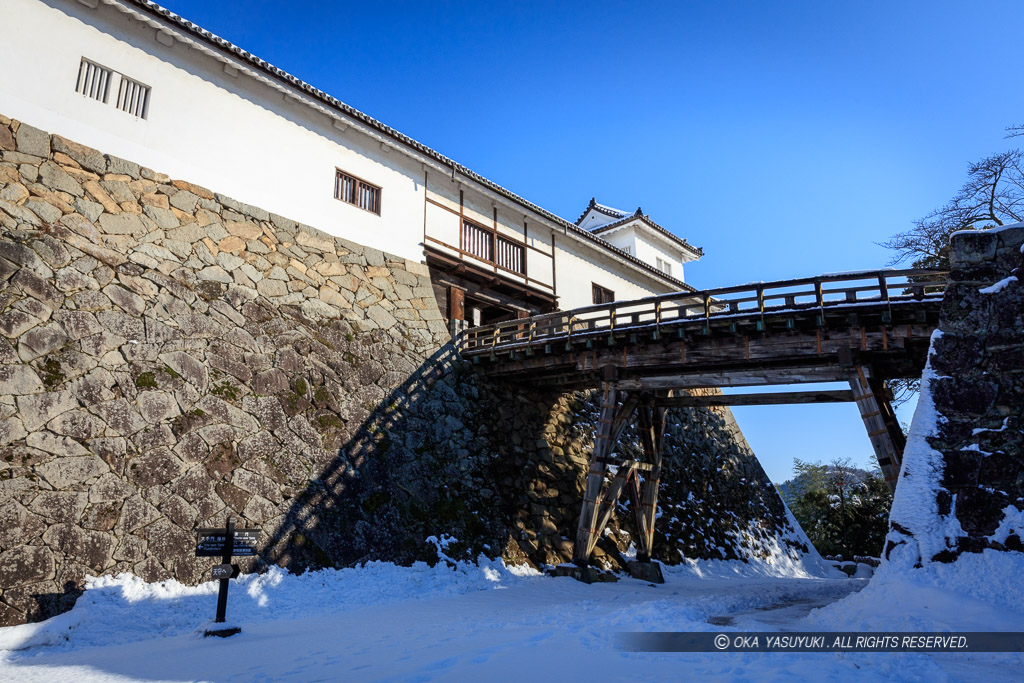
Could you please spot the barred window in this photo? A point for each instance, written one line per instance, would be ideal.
(486, 245)
(96, 82)
(93, 80)
(511, 256)
(478, 240)
(133, 97)
(353, 190)
(665, 266)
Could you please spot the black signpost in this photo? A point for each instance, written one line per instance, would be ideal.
(225, 543)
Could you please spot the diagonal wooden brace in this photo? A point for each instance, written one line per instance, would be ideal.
(587, 528)
(652, 431)
(880, 422)
(610, 498)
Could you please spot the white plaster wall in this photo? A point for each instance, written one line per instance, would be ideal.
(442, 190)
(579, 265)
(538, 267)
(540, 236)
(636, 236)
(649, 252)
(442, 225)
(233, 135)
(621, 238)
(242, 138)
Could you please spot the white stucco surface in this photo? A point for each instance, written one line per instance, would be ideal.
(231, 134)
(247, 138)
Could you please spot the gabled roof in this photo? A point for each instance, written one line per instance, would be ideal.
(227, 48)
(601, 208)
(622, 218)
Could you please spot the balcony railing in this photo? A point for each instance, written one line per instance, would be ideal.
(478, 241)
(756, 300)
(511, 256)
(487, 246)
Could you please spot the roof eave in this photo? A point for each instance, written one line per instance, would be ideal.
(233, 51)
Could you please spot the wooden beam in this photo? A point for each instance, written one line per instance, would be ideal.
(611, 497)
(651, 432)
(879, 433)
(586, 531)
(735, 378)
(456, 303)
(604, 501)
(778, 398)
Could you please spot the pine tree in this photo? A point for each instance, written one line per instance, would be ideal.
(842, 509)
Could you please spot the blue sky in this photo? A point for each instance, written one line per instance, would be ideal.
(785, 138)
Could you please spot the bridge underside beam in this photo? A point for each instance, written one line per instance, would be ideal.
(772, 399)
(787, 371)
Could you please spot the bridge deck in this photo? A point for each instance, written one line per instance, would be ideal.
(809, 330)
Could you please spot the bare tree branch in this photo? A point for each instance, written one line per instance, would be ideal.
(993, 195)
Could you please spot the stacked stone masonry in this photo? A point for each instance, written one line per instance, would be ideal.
(169, 356)
(978, 394)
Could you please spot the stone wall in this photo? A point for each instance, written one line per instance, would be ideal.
(169, 356)
(961, 488)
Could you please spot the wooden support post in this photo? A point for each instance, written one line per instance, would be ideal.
(651, 435)
(586, 532)
(899, 439)
(611, 496)
(456, 304)
(634, 491)
(871, 411)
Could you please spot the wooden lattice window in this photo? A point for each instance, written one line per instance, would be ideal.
(511, 255)
(353, 190)
(486, 245)
(96, 82)
(602, 295)
(93, 80)
(133, 97)
(478, 241)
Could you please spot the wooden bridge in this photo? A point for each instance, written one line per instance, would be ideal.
(862, 328)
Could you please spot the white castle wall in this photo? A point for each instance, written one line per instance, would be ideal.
(249, 140)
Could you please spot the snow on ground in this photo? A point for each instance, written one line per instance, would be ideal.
(382, 623)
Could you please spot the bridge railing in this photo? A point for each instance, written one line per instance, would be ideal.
(757, 298)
